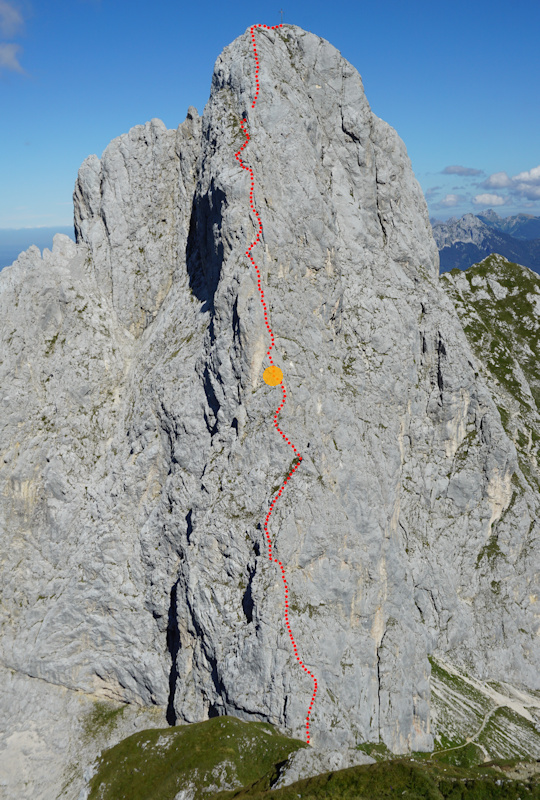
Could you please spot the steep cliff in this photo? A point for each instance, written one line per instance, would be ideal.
(138, 455)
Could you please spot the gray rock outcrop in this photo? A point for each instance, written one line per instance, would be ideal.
(138, 455)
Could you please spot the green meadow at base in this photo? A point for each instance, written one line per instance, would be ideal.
(227, 758)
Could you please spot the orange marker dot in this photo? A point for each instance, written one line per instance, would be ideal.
(273, 376)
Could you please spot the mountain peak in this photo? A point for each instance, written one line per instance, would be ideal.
(490, 215)
(154, 551)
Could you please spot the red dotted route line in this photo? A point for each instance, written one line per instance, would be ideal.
(268, 353)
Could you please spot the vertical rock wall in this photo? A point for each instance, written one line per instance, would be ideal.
(138, 455)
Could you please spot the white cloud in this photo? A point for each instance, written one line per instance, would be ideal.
(11, 20)
(528, 191)
(532, 176)
(525, 185)
(499, 180)
(458, 170)
(450, 200)
(9, 57)
(488, 200)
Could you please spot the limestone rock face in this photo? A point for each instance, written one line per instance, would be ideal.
(132, 210)
(138, 454)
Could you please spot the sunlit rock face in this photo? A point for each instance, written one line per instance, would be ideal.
(138, 454)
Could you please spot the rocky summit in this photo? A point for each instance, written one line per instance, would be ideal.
(139, 457)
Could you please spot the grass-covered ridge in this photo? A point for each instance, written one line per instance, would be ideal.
(405, 778)
(498, 303)
(225, 758)
(201, 758)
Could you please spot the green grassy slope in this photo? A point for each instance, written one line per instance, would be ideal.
(404, 778)
(498, 303)
(221, 752)
(225, 758)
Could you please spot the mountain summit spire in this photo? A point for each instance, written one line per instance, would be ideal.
(139, 451)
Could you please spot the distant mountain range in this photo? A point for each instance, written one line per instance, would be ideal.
(468, 240)
(14, 241)
(522, 226)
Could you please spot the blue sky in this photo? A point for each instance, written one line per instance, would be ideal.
(459, 81)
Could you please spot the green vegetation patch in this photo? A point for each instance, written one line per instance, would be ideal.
(157, 764)
(399, 778)
(377, 750)
(503, 329)
(103, 719)
(469, 755)
(491, 549)
(51, 344)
